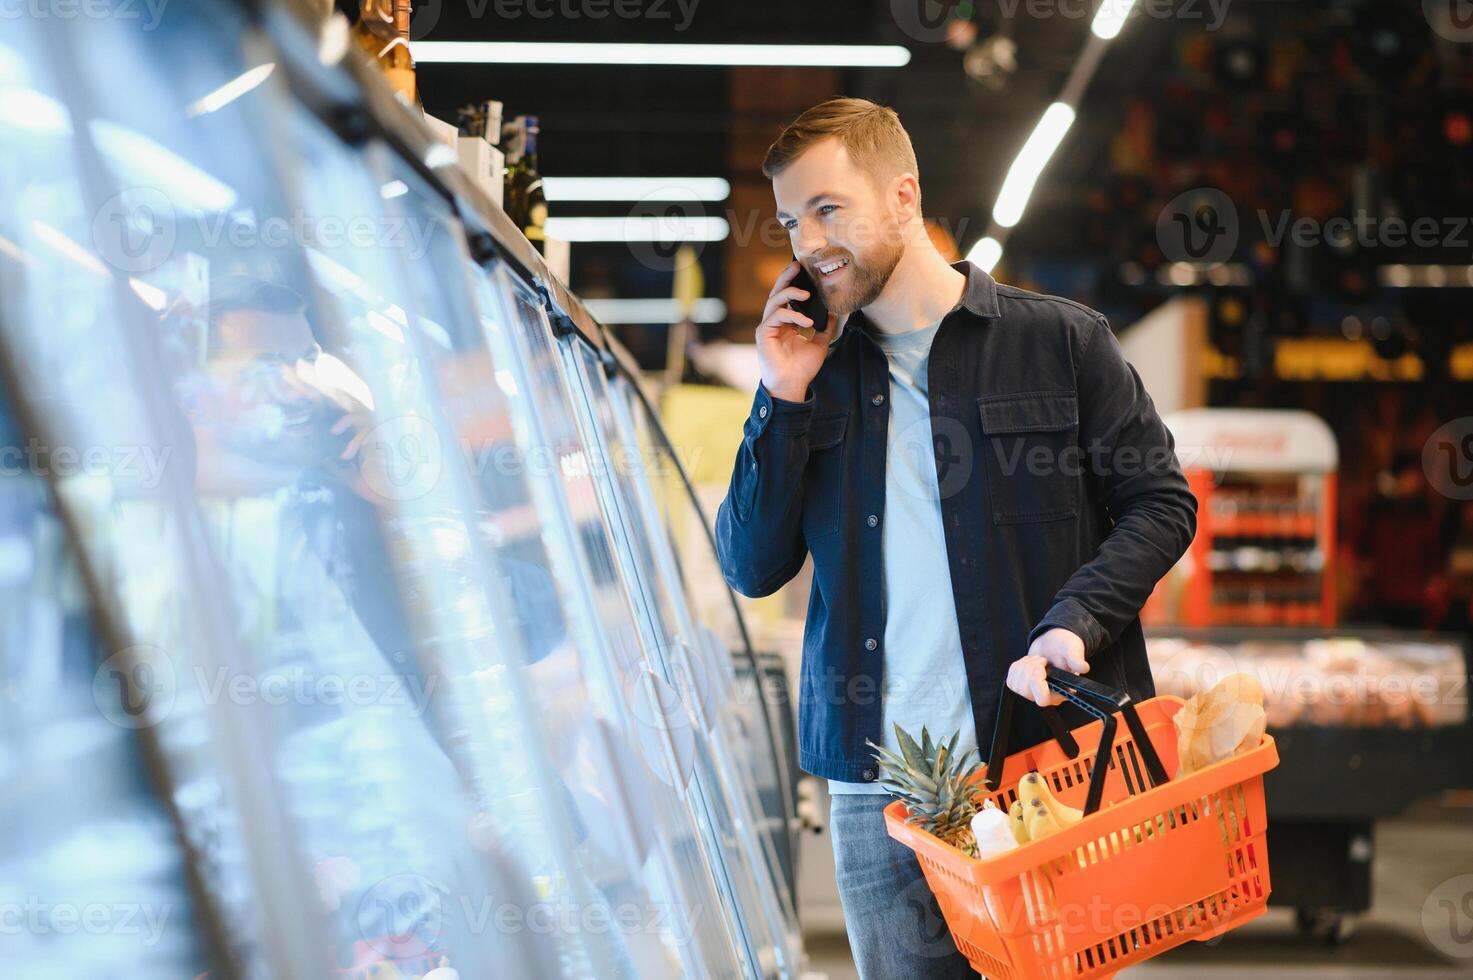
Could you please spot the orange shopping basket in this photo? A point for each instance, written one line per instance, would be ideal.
(1153, 863)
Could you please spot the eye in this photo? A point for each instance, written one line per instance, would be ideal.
(828, 207)
(790, 224)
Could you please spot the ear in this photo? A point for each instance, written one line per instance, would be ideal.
(905, 193)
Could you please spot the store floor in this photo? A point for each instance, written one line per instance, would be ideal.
(1391, 942)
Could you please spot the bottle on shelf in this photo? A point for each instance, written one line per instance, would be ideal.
(382, 31)
(525, 202)
(480, 132)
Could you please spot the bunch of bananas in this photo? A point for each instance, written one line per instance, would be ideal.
(1036, 812)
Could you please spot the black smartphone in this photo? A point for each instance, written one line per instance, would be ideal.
(812, 307)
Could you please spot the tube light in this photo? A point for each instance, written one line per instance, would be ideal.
(986, 253)
(560, 53)
(639, 228)
(635, 188)
(1023, 174)
(231, 90)
(1110, 18)
(611, 311)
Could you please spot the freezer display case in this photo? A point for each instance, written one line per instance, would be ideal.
(94, 880)
(398, 680)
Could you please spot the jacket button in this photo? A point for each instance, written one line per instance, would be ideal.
(877, 400)
(762, 411)
(873, 520)
(870, 643)
(869, 774)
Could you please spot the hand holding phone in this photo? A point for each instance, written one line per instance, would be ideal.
(791, 344)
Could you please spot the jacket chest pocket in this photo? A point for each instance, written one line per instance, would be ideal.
(823, 480)
(1031, 455)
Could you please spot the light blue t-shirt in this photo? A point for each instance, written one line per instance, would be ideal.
(925, 680)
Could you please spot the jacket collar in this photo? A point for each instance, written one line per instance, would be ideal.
(979, 297)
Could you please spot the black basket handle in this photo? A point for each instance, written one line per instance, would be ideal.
(1096, 700)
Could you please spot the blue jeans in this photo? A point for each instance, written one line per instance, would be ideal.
(895, 927)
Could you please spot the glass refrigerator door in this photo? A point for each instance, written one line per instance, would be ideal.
(744, 721)
(718, 790)
(322, 571)
(77, 319)
(92, 873)
(605, 840)
(654, 716)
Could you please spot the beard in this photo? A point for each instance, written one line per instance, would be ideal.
(868, 274)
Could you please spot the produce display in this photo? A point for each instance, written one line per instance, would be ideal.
(1340, 681)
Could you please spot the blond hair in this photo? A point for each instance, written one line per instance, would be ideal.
(872, 135)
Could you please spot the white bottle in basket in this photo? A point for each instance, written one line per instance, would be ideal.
(993, 832)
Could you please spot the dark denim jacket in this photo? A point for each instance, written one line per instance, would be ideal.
(1061, 499)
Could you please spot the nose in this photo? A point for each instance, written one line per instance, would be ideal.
(808, 239)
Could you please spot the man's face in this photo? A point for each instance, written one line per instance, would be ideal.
(834, 213)
(265, 401)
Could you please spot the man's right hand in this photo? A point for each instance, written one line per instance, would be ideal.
(790, 347)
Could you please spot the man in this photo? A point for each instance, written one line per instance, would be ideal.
(982, 481)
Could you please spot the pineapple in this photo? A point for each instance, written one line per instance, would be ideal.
(936, 787)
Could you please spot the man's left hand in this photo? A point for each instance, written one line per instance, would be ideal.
(1058, 647)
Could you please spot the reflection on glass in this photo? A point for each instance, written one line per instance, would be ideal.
(653, 719)
(719, 790)
(744, 723)
(91, 872)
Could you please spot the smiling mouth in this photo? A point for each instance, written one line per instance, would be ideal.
(831, 269)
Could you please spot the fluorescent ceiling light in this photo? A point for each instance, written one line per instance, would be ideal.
(153, 296)
(231, 90)
(1023, 174)
(560, 53)
(986, 253)
(1110, 18)
(610, 311)
(636, 188)
(25, 108)
(145, 163)
(639, 228)
(68, 248)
